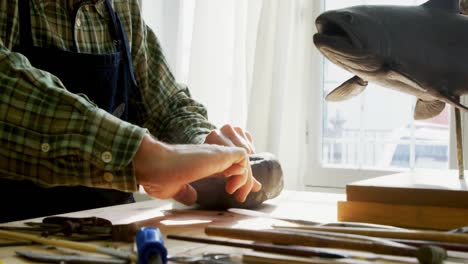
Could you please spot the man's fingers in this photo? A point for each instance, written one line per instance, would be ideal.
(235, 182)
(237, 137)
(217, 138)
(231, 136)
(243, 192)
(257, 186)
(186, 195)
(246, 138)
(235, 169)
(240, 142)
(249, 137)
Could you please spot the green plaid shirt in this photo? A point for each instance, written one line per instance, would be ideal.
(54, 137)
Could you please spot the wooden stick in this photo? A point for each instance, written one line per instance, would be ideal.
(270, 248)
(412, 235)
(410, 242)
(279, 237)
(459, 136)
(444, 245)
(275, 259)
(424, 254)
(87, 247)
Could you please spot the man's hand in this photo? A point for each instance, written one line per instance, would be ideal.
(165, 171)
(231, 136)
(236, 137)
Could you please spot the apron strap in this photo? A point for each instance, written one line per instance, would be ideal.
(126, 48)
(114, 32)
(25, 24)
(121, 36)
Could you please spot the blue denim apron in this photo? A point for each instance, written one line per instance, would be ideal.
(106, 79)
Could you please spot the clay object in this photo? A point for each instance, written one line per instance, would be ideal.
(418, 50)
(265, 168)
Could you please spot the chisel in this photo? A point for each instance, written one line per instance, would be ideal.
(425, 254)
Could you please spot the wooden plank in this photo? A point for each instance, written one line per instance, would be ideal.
(425, 188)
(409, 216)
(260, 258)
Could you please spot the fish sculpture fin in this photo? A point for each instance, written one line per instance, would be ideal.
(347, 90)
(455, 103)
(448, 5)
(397, 76)
(428, 109)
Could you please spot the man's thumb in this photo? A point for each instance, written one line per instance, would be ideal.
(186, 195)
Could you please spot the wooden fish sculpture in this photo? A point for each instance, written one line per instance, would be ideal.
(419, 50)
(266, 168)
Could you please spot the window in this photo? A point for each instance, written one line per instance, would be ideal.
(374, 133)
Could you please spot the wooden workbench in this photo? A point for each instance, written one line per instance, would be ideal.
(172, 218)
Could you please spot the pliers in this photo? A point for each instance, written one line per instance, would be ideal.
(214, 258)
(92, 227)
(65, 259)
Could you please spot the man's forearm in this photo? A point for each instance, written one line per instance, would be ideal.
(53, 137)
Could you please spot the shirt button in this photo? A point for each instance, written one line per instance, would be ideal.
(106, 157)
(108, 177)
(78, 22)
(45, 147)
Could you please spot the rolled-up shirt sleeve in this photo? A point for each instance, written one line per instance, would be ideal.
(166, 106)
(53, 137)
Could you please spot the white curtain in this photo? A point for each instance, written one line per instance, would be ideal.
(249, 62)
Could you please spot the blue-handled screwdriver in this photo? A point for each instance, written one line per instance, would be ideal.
(150, 246)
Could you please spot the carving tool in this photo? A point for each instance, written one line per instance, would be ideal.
(411, 242)
(425, 254)
(209, 258)
(253, 213)
(150, 245)
(87, 247)
(149, 242)
(264, 258)
(263, 247)
(52, 258)
(293, 250)
(86, 228)
(408, 234)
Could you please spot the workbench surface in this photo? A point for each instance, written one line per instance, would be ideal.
(173, 218)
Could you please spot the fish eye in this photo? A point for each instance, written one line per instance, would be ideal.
(348, 17)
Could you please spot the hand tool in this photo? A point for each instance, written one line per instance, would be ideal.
(262, 258)
(149, 241)
(209, 258)
(53, 258)
(293, 250)
(310, 223)
(150, 245)
(79, 228)
(425, 254)
(460, 230)
(68, 226)
(264, 247)
(151, 250)
(411, 242)
(408, 234)
(79, 225)
(88, 247)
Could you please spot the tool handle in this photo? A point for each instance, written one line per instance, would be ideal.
(88, 247)
(309, 240)
(150, 245)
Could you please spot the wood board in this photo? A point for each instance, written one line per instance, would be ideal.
(430, 199)
(408, 216)
(427, 188)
